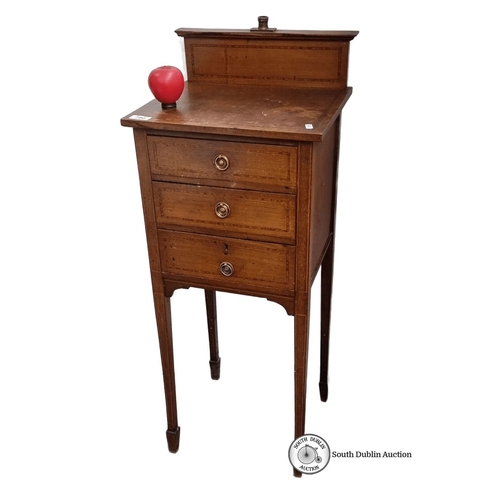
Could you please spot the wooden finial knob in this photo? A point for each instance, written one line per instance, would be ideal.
(263, 20)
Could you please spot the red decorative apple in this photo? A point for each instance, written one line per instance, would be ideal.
(166, 84)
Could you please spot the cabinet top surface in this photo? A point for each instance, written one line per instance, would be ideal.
(246, 111)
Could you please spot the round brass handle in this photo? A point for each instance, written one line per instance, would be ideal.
(222, 210)
(226, 268)
(221, 162)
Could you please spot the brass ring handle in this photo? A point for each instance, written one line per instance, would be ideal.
(226, 268)
(222, 210)
(221, 162)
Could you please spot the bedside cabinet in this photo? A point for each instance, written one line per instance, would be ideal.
(239, 181)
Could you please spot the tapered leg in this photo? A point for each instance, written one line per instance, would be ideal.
(326, 303)
(164, 323)
(327, 277)
(212, 334)
(301, 348)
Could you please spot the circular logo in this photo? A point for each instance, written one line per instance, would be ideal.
(309, 454)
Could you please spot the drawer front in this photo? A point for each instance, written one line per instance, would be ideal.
(224, 163)
(228, 263)
(221, 211)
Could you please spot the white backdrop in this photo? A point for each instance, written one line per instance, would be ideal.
(414, 354)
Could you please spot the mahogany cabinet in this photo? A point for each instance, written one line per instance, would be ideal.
(239, 181)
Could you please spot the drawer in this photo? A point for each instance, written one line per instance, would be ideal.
(227, 263)
(234, 212)
(224, 163)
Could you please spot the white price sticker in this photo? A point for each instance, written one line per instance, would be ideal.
(140, 117)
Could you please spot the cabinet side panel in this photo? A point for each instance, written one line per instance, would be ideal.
(321, 198)
(141, 146)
